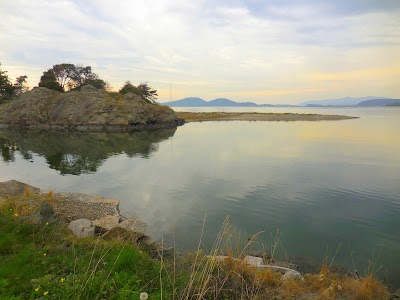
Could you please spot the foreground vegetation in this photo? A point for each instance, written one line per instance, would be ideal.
(47, 262)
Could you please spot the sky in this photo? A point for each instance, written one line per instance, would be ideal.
(275, 51)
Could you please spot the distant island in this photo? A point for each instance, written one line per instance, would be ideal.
(369, 101)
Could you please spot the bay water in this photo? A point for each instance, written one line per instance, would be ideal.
(328, 188)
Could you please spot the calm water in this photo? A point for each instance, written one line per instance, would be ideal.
(321, 184)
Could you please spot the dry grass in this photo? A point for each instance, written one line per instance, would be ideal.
(28, 203)
(231, 278)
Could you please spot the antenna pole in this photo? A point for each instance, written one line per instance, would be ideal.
(170, 92)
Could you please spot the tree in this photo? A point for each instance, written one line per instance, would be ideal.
(143, 90)
(6, 87)
(20, 85)
(129, 88)
(71, 77)
(49, 81)
(96, 82)
(64, 74)
(148, 93)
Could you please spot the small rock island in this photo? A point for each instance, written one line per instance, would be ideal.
(87, 109)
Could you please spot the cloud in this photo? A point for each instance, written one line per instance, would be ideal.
(206, 48)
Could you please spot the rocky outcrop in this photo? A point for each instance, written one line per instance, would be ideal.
(13, 188)
(85, 214)
(87, 109)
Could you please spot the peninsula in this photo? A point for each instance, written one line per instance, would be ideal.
(252, 116)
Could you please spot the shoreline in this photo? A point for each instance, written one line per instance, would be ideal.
(83, 221)
(97, 127)
(255, 116)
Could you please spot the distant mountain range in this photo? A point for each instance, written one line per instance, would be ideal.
(341, 102)
(219, 102)
(346, 101)
(380, 102)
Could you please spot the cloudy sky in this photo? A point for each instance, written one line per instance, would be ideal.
(271, 51)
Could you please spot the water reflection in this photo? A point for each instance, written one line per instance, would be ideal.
(321, 184)
(78, 152)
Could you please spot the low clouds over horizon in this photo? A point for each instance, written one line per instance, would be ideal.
(265, 52)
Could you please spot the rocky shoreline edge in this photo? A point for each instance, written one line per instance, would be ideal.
(93, 217)
(89, 216)
(98, 127)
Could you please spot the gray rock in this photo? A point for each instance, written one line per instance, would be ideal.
(13, 188)
(105, 224)
(292, 274)
(150, 246)
(45, 214)
(147, 241)
(82, 228)
(130, 230)
(134, 224)
(84, 109)
(253, 261)
(74, 206)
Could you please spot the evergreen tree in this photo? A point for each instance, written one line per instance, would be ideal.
(143, 90)
(49, 81)
(6, 87)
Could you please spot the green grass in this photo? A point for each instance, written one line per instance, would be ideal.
(47, 262)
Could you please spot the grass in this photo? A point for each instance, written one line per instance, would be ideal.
(47, 262)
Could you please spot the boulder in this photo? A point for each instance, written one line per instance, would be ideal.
(150, 246)
(292, 274)
(106, 224)
(45, 214)
(13, 188)
(82, 228)
(253, 261)
(130, 230)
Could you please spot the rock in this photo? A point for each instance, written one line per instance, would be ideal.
(169, 252)
(147, 241)
(105, 224)
(396, 295)
(150, 246)
(45, 214)
(130, 230)
(86, 109)
(82, 228)
(13, 188)
(253, 261)
(292, 274)
(134, 224)
(74, 206)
